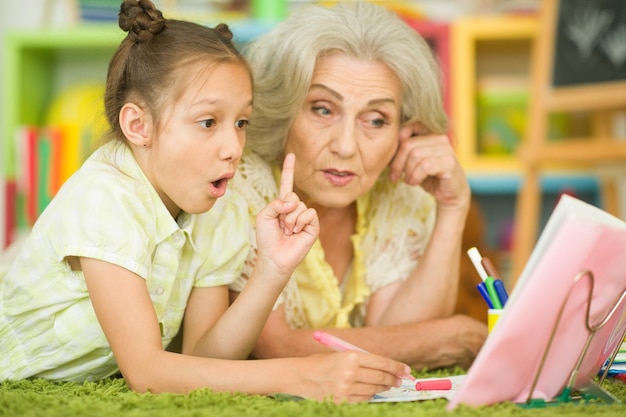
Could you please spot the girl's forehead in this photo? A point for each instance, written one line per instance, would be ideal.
(200, 84)
(195, 69)
(196, 74)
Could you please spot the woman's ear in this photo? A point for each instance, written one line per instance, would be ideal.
(135, 124)
(406, 132)
(412, 129)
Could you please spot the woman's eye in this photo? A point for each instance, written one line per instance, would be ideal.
(323, 111)
(375, 119)
(378, 122)
(207, 123)
(241, 124)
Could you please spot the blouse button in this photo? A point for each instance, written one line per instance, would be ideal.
(179, 239)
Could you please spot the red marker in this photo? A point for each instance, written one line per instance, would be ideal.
(434, 384)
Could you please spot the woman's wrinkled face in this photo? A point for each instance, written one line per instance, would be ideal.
(346, 131)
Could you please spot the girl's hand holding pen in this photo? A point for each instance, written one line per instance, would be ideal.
(350, 376)
(340, 345)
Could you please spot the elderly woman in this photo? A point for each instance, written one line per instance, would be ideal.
(355, 94)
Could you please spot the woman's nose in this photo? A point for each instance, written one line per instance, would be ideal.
(344, 139)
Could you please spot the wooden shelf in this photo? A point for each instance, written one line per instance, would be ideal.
(485, 38)
(579, 152)
(599, 97)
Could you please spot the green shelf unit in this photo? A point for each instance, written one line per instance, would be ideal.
(38, 64)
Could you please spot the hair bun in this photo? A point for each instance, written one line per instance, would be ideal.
(141, 19)
(224, 32)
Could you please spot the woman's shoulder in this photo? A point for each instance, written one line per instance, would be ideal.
(400, 199)
(400, 220)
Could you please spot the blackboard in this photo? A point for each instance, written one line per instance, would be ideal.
(590, 42)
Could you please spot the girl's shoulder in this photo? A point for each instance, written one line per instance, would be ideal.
(109, 192)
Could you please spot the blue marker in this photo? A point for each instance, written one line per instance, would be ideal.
(482, 289)
(501, 291)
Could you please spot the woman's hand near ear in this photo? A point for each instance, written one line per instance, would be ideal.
(429, 160)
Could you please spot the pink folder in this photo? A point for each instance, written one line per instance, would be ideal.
(577, 238)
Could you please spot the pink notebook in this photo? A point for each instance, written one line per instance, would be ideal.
(577, 237)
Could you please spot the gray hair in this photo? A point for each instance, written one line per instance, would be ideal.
(283, 62)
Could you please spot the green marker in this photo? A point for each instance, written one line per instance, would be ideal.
(492, 293)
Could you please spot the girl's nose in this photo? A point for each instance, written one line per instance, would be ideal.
(233, 143)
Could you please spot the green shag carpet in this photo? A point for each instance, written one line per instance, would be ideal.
(111, 397)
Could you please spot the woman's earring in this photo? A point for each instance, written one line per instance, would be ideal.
(145, 144)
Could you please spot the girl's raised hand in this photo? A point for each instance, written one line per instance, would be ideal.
(286, 228)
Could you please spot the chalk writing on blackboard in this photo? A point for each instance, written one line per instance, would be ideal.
(590, 42)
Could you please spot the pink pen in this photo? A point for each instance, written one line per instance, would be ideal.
(336, 343)
(434, 384)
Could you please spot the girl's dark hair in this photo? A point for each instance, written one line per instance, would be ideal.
(147, 66)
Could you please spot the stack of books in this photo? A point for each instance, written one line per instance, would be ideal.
(619, 363)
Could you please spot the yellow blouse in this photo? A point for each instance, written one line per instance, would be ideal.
(394, 223)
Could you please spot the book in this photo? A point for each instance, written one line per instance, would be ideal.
(26, 148)
(619, 363)
(8, 212)
(44, 160)
(407, 392)
(565, 317)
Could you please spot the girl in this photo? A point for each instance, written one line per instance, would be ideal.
(146, 234)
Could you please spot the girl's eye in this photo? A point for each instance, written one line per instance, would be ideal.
(241, 124)
(323, 111)
(207, 123)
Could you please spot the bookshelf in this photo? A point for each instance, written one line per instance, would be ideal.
(40, 64)
(37, 66)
